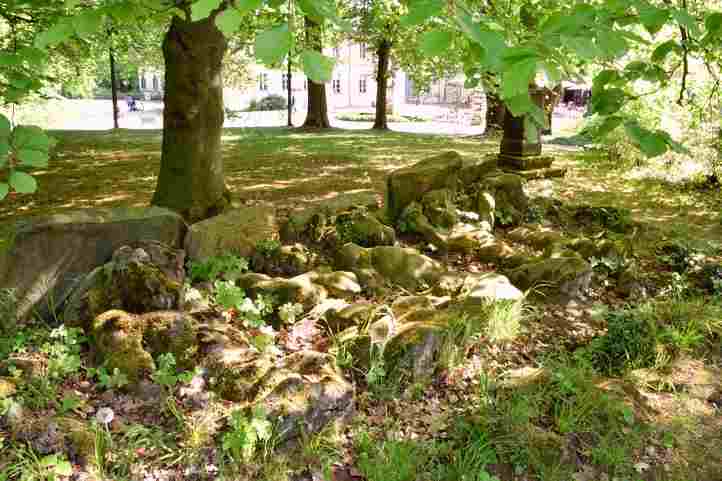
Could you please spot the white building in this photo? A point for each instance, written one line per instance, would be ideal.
(352, 85)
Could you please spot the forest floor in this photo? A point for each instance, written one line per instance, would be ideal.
(659, 423)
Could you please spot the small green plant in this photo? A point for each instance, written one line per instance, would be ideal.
(106, 380)
(252, 312)
(268, 247)
(388, 460)
(677, 255)
(242, 441)
(535, 214)
(504, 216)
(289, 312)
(29, 466)
(63, 352)
(166, 373)
(8, 310)
(227, 266)
(630, 342)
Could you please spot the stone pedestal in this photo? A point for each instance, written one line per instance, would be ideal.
(519, 154)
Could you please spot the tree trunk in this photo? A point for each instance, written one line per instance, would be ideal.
(191, 172)
(113, 87)
(382, 78)
(317, 113)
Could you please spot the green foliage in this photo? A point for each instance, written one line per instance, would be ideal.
(387, 460)
(63, 352)
(227, 266)
(21, 149)
(289, 312)
(630, 343)
(166, 373)
(8, 312)
(273, 45)
(29, 466)
(268, 247)
(241, 442)
(229, 296)
(106, 380)
(271, 102)
(318, 67)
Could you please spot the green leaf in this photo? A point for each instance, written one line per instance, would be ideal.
(229, 21)
(319, 10)
(317, 67)
(684, 18)
(520, 104)
(420, 10)
(608, 101)
(660, 53)
(63, 468)
(87, 23)
(56, 34)
(122, 12)
(611, 43)
(203, 8)
(517, 76)
(4, 190)
(608, 125)
(22, 183)
(584, 47)
(713, 23)
(436, 43)
(652, 18)
(273, 45)
(9, 59)
(4, 151)
(650, 143)
(30, 137)
(33, 158)
(5, 127)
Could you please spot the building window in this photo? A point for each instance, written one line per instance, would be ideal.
(362, 50)
(362, 85)
(336, 84)
(284, 81)
(263, 82)
(336, 52)
(143, 82)
(155, 82)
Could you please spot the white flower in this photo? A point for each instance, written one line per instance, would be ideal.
(105, 416)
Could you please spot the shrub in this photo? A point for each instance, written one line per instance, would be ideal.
(271, 102)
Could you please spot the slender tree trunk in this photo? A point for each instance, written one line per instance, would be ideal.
(290, 94)
(382, 79)
(317, 114)
(113, 87)
(191, 172)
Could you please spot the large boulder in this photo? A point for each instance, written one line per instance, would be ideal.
(43, 258)
(569, 276)
(409, 184)
(132, 282)
(405, 267)
(238, 231)
(475, 169)
(287, 260)
(117, 339)
(540, 238)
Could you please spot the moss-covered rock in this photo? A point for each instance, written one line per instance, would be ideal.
(409, 184)
(406, 267)
(130, 282)
(238, 230)
(364, 229)
(508, 193)
(341, 284)
(357, 314)
(414, 347)
(413, 220)
(569, 276)
(538, 237)
(171, 332)
(117, 339)
(288, 260)
(485, 207)
(440, 208)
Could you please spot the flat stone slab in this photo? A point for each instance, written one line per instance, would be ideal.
(547, 173)
(43, 257)
(526, 162)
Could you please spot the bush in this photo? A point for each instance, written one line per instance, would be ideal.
(272, 102)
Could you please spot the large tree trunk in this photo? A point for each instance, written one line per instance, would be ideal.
(191, 173)
(382, 78)
(317, 113)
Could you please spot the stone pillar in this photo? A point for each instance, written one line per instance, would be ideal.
(521, 144)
